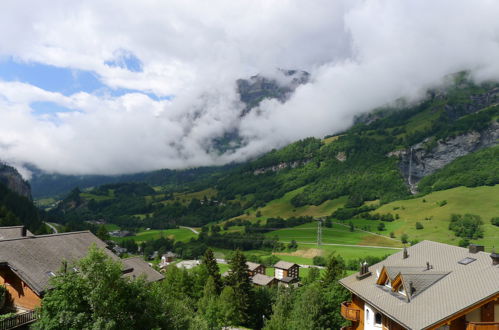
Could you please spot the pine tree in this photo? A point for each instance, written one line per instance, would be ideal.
(209, 306)
(240, 282)
(335, 269)
(211, 265)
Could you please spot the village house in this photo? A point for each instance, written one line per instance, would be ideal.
(28, 263)
(166, 259)
(263, 280)
(287, 273)
(254, 268)
(427, 286)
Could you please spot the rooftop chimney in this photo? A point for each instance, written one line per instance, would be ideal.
(474, 248)
(23, 231)
(406, 254)
(364, 271)
(495, 257)
(411, 288)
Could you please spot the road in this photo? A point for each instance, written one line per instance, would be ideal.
(351, 245)
(191, 229)
(52, 227)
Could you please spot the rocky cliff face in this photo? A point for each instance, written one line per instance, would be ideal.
(421, 160)
(257, 88)
(10, 177)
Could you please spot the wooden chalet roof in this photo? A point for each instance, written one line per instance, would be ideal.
(36, 259)
(252, 265)
(139, 267)
(284, 265)
(261, 279)
(432, 294)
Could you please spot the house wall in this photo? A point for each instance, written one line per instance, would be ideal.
(496, 312)
(279, 273)
(19, 291)
(358, 303)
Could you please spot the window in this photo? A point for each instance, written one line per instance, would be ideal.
(377, 319)
(367, 316)
(387, 283)
(401, 290)
(466, 261)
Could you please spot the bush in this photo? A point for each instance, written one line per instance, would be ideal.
(381, 226)
(467, 226)
(495, 221)
(404, 238)
(319, 261)
(464, 242)
(419, 225)
(392, 234)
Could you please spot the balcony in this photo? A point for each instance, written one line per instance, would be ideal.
(350, 313)
(483, 326)
(21, 319)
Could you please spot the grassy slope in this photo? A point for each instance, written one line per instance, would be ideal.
(338, 234)
(180, 234)
(480, 200)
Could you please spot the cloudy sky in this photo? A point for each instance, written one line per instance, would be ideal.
(108, 86)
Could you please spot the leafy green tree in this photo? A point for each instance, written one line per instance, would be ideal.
(212, 267)
(281, 310)
(97, 296)
(230, 314)
(209, 306)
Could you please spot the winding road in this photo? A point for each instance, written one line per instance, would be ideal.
(191, 229)
(54, 229)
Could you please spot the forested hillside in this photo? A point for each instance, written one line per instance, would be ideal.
(447, 140)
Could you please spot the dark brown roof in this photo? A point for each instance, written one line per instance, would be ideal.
(140, 267)
(35, 259)
(288, 279)
(284, 265)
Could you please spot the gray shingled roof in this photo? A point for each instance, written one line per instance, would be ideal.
(34, 258)
(446, 289)
(261, 279)
(252, 265)
(13, 232)
(140, 267)
(284, 264)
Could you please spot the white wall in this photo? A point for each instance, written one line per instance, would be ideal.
(369, 313)
(279, 273)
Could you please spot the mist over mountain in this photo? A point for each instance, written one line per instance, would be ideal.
(161, 91)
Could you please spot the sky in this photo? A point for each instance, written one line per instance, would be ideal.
(113, 87)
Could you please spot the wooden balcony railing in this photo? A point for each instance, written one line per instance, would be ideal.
(350, 313)
(18, 320)
(483, 326)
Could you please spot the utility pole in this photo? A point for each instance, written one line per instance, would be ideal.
(319, 232)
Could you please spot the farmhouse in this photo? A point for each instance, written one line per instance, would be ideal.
(28, 263)
(427, 286)
(263, 280)
(286, 269)
(254, 268)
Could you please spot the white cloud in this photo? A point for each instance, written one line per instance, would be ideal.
(361, 54)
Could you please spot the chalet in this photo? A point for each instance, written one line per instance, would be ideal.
(28, 263)
(427, 286)
(14, 232)
(285, 269)
(254, 268)
(166, 259)
(263, 280)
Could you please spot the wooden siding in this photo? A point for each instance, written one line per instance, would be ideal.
(20, 293)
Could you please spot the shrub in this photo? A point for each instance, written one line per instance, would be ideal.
(404, 238)
(319, 261)
(419, 225)
(495, 221)
(467, 226)
(464, 242)
(381, 226)
(392, 234)
(442, 203)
